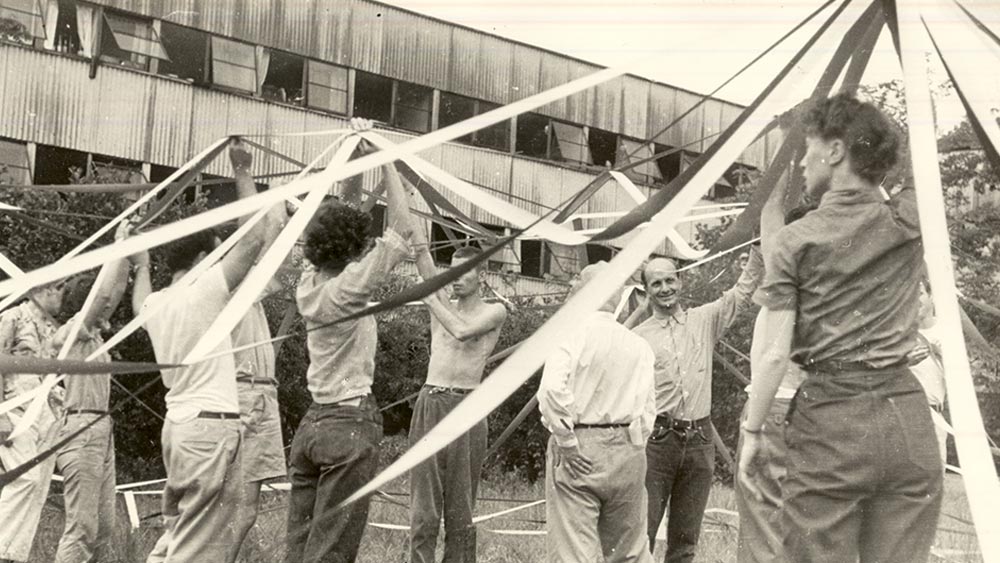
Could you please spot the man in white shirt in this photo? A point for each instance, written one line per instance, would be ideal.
(201, 433)
(597, 398)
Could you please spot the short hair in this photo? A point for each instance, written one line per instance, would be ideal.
(181, 253)
(76, 292)
(467, 253)
(336, 236)
(642, 269)
(872, 140)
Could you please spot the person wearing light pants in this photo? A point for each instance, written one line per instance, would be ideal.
(597, 398)
(87, 462)
(201, 433)
(26, 330)
(462, 337)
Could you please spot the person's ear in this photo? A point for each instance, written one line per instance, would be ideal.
(837, 152)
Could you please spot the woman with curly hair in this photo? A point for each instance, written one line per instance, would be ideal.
(334, 451)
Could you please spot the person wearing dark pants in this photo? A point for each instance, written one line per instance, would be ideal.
(463, 334)
(334, 451)
(841, 299)
(680, 454)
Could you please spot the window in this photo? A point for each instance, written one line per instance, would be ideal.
(722, 189)
(532, 135)
(669, 165)
(70, 18)
(130, 42)
(603, 145)
(219, 193)
(327, 88)
(283, 74)
(495, 136)
(21, 21)
(188, 50)
(413, 107)
(634, 151)
(534, 259)
(14, 167)
(55, 165)
(741, 175)
(109, 170)
(569, 143)
(453, 109)
(373, 97)
(234, 65)
(597, 252)
(441, 249)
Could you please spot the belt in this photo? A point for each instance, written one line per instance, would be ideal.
(219, 415)
(257, 380)
(85, 411)
(349, 402)
(454, 390)
(604, 425)
(834, 368)
(676, 424)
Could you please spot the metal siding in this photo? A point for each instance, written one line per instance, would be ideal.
(607, 105)
(492, 169)
(525, 73)
(294, 30)
(554, 72)
(173, 104)
(774, 140)
(209, 116)
(180, 12)
(122, 114)
(219, 16)
(580, 107)
(329, 40)
(367, 28)
(692, 125)
(496, 70)
(313, 145)
(635, 107)
(662, 111)
(416, 49)
(285, 120)
(713, 122)
(464, 62)
(523, 179)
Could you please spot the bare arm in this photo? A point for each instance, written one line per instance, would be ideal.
(398, 212)
(110, 293)
(238, 261)
(772, 217)
(142, 286)
(464, 327)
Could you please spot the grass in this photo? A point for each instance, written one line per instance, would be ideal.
(265, 543)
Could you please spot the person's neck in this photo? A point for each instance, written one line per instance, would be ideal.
(469, 302)
(662, 313)
(848, 181)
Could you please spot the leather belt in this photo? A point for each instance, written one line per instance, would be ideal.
(257, 380)
(677, 424)
(453, 390)
(604, 425)
(85, 411)
(219, 415)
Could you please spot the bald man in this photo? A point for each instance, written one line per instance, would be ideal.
(680, 456)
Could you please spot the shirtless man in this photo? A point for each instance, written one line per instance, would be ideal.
(462, 337)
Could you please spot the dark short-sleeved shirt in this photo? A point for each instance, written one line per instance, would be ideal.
(850, 270)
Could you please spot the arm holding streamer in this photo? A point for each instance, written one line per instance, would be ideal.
(110, 293)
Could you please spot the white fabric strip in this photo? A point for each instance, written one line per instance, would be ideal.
(261, 274)
(132, 509)
(513, 372)
(6, 207)
(978, 472)
(486, 517)
(9, 267)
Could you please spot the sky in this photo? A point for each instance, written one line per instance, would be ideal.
(692, 44)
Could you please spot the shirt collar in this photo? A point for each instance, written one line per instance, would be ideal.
(679, 317)
(851, 196)
(38, 313)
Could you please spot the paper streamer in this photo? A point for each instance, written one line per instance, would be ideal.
(132, 510)
(530, 355)
(6, 207)
(263, 272)
(979, 475)
(9, 267)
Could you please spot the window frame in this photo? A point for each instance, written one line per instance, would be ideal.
(28, 174)
(39, 22)
(560, 142)
(215, 60)
(396, 121)
(309, 83)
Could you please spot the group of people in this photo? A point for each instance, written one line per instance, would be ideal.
(839, 459)
(838, 456)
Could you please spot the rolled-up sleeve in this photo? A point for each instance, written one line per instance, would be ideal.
(364, 276)
(780, 288)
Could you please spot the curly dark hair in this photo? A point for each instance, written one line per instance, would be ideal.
(76, 292)
(181, 253)
(872, 140)
(336, 236)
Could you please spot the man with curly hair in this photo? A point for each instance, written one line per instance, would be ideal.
(335, 449)
(841, 299)
(462, 337)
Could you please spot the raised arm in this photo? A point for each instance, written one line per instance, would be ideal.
(736, 299)
(142, 285)
(772, 216)
(464, 327)
(238, 261)
(398, 212)
(110, 293)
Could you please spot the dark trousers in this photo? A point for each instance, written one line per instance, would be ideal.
(679, 469)
(864, 475)
(445, 484)
(334, 454)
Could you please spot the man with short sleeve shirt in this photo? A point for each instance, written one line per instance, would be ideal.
(201, 433)
(680, 452)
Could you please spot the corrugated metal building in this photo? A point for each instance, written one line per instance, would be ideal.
(144, 85)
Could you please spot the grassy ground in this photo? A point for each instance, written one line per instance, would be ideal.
(265, 543)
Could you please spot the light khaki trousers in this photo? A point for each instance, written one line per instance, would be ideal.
(22, 500)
